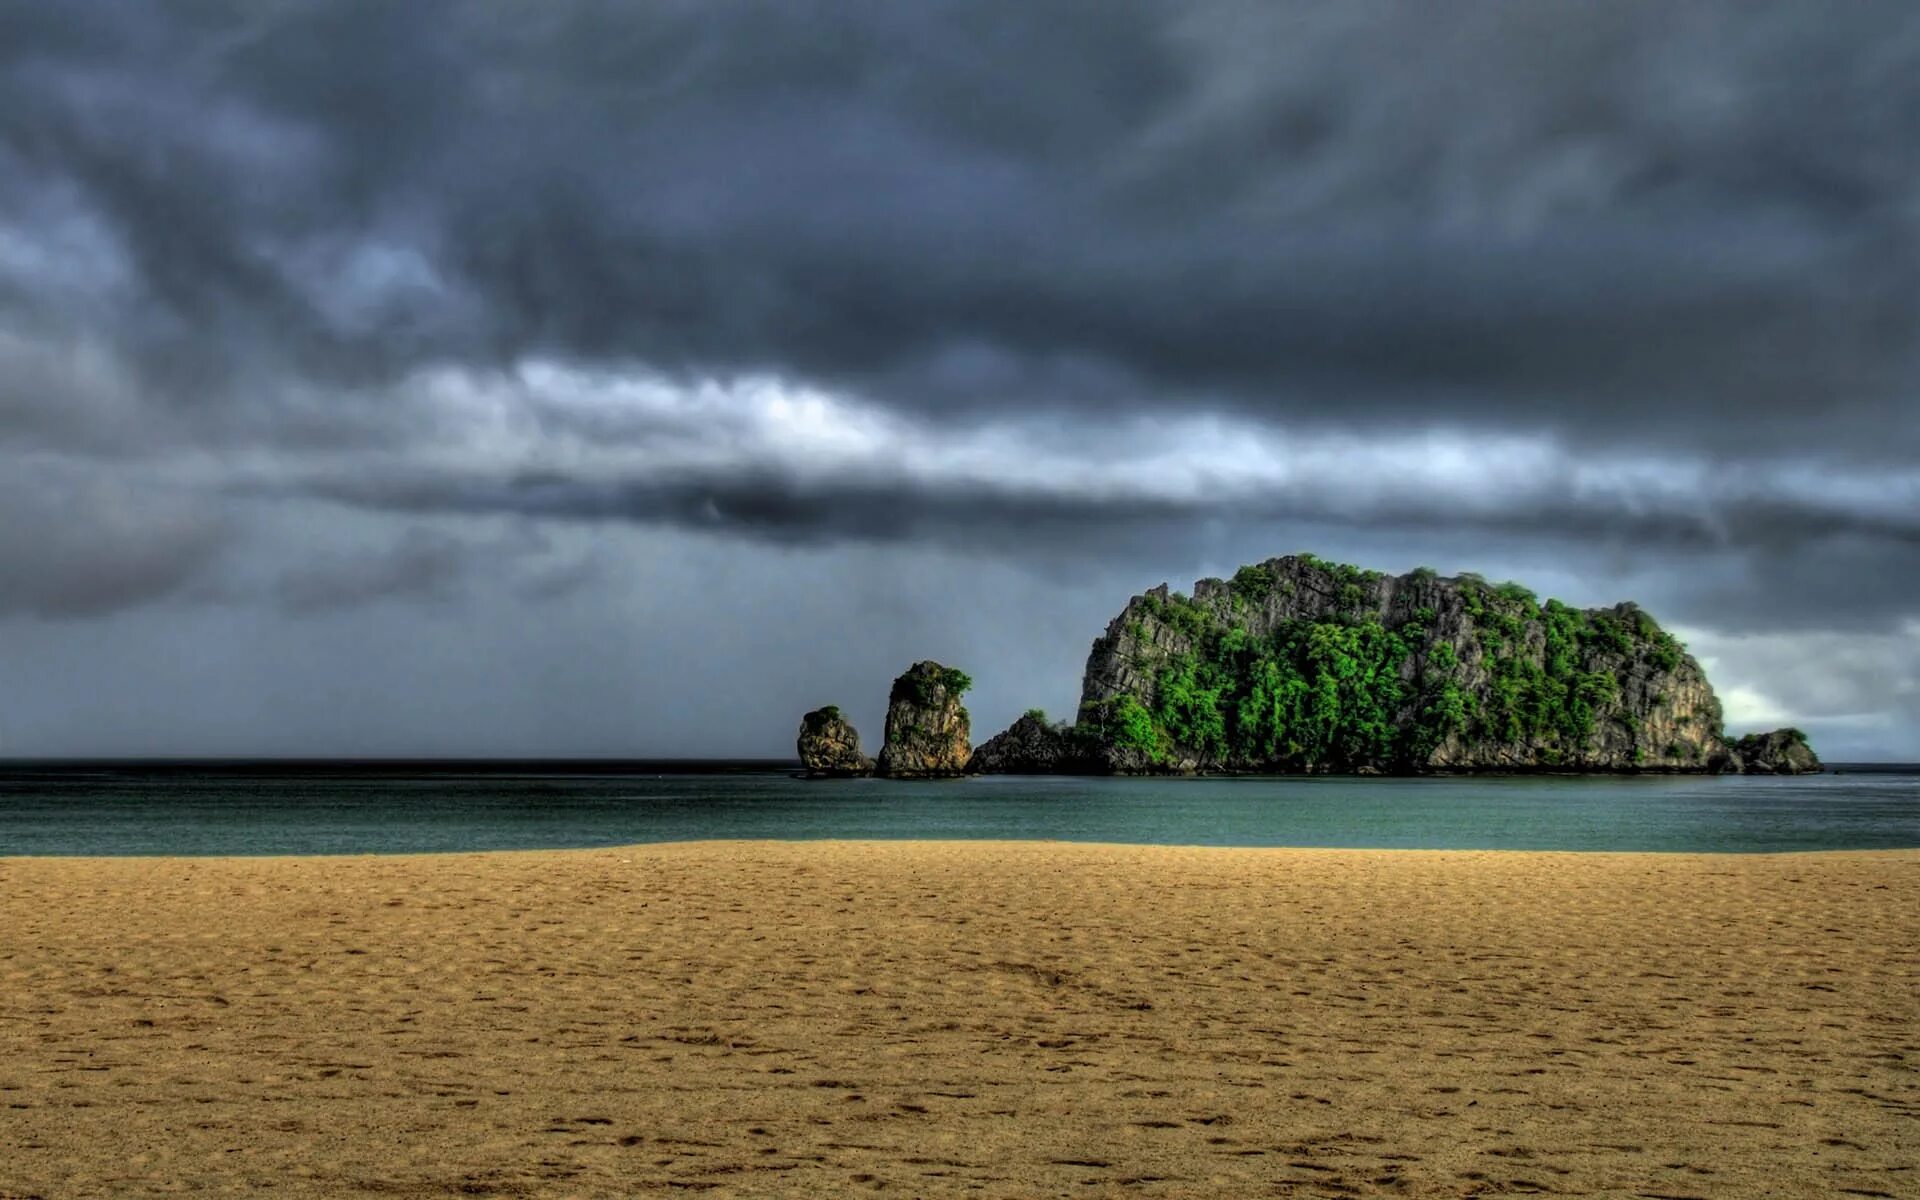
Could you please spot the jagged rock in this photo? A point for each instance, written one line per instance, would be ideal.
(1031, 746)
(1782, 752)
(830, 746)
(1301, 665)
(929, 733)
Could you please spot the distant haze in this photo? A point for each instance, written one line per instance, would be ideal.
(554, 378)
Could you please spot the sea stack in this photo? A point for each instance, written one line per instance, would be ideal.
(929, 734)
(830, 746)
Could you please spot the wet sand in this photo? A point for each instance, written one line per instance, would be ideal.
(928, 1018)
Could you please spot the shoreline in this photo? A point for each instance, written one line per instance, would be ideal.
(768, 843)
(940, 1017)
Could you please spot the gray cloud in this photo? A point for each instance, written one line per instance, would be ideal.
(86, 546)
(1615, 222)
(1749, 549)
(433, 565)
(772, 506)
(423, 564)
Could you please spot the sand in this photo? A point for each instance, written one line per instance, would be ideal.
(929, 1018)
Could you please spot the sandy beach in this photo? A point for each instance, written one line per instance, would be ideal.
(928, 1018)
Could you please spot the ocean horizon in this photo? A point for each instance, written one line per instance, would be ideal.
(201, 807)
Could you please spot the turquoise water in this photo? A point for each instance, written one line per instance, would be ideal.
(233, 809)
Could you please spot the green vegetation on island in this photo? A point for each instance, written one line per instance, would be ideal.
(1301, 664)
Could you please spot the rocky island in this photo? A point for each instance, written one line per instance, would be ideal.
(1033, 745)
(1298, 665)
(1781, 752)
(829, 746)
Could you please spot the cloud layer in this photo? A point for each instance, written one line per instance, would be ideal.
(329, 306)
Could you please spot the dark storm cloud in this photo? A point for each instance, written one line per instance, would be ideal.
(1744, 557)
(778, 507)
(1622, 222)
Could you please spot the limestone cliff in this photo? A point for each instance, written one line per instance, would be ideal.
(1032, 746)
(928, 730)
(829, 746)
(1298, 664)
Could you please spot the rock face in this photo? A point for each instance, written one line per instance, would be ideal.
(830, 746)
(1782, 752)
(1031, 746)
(928, 731)
(1301, 665)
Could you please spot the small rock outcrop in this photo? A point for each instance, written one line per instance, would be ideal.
(929, 734)
(830, 746)
(1032, 746)
(1782, 752)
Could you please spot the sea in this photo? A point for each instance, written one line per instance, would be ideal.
(300, 808)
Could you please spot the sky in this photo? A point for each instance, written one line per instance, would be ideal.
(541, 377)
